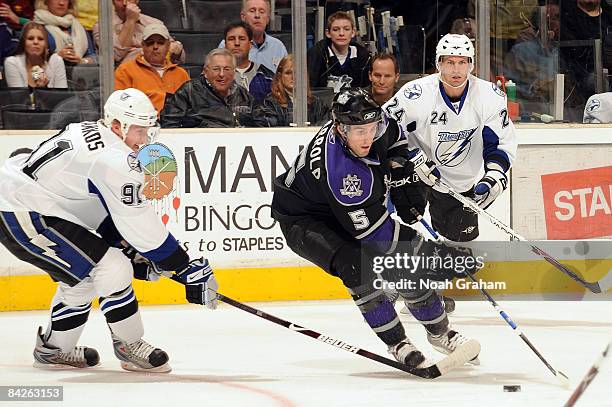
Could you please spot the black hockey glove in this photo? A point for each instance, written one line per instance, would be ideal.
(143, 268)
(405, 189)
(440, 261)
(200, 283)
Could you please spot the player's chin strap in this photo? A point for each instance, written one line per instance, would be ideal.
(562, 377)
(453, 86)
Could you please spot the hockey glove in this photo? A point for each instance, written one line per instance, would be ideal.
(426, 169)
(200, 283)
(490, 186)
(440, 261)
(143, 268)
(405, 189)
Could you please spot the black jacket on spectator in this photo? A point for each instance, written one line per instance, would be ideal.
(577, 62)
(323, 63)
(273, 114)
(196, 104)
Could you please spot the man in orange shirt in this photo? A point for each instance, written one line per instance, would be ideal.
(152, 72)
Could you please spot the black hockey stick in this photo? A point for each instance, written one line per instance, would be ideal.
(598, 287)
(589, 376)
(562, 377)
(458, 358)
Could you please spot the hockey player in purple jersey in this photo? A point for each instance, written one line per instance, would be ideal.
(333, 206)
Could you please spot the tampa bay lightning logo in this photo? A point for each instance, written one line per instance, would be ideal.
(453, 148)
(593, 105)
(413, 91)
(497, 90)
(134, 162)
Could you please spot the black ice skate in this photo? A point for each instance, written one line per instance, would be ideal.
(448, 342)
(49, 357)
(139, 356)
(405, 352)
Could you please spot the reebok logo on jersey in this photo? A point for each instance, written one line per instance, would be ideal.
(453, 148)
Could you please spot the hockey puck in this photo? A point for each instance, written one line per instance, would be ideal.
(512, 388)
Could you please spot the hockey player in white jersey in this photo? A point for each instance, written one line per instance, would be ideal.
(68, 206)
(459, 130)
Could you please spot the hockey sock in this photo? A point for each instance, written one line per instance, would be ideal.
(121, 312)
(379, 313)
(67, 323)
(428, 309)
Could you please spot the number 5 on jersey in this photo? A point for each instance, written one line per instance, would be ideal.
(360, 219)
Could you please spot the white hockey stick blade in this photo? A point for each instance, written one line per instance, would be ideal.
(563, 379)
(606, 283)
(462, 355)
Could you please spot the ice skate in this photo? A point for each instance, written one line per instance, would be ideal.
(405, 352)
(140, 356)
(47, 356)
(449, 341)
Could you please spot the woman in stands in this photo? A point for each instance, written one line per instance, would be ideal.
(278, 105)
(67, 36)
(31, 65)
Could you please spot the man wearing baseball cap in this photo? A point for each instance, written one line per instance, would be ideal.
(151, 71)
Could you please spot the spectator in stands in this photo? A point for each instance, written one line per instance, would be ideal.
(532, 64)
(16, 12)
(212, 100)
(384, 75)
(266, 49)
(66, 35)
(582, 20)
(334, 61)
(508, 19)
(7, 42)
(277, 108)
(151, 72)
(33, 65)
(465, 26)
(254, 77)
(128, 25)
(88, 13)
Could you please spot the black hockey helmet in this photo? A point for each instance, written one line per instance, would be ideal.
(354, 107)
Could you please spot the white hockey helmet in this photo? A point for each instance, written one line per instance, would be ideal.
(455, 45)
(129, 107)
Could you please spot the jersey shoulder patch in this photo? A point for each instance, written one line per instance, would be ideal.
(349, 180)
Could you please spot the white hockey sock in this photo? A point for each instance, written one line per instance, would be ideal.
(122, 315)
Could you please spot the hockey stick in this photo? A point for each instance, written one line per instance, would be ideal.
(598, 287)
(562, 377)
(456, 359)
(589, 376)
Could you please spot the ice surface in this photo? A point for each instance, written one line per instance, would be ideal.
(228, 357)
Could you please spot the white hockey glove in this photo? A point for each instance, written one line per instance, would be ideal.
(425, 169)
(491, 185)
(200, 283)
